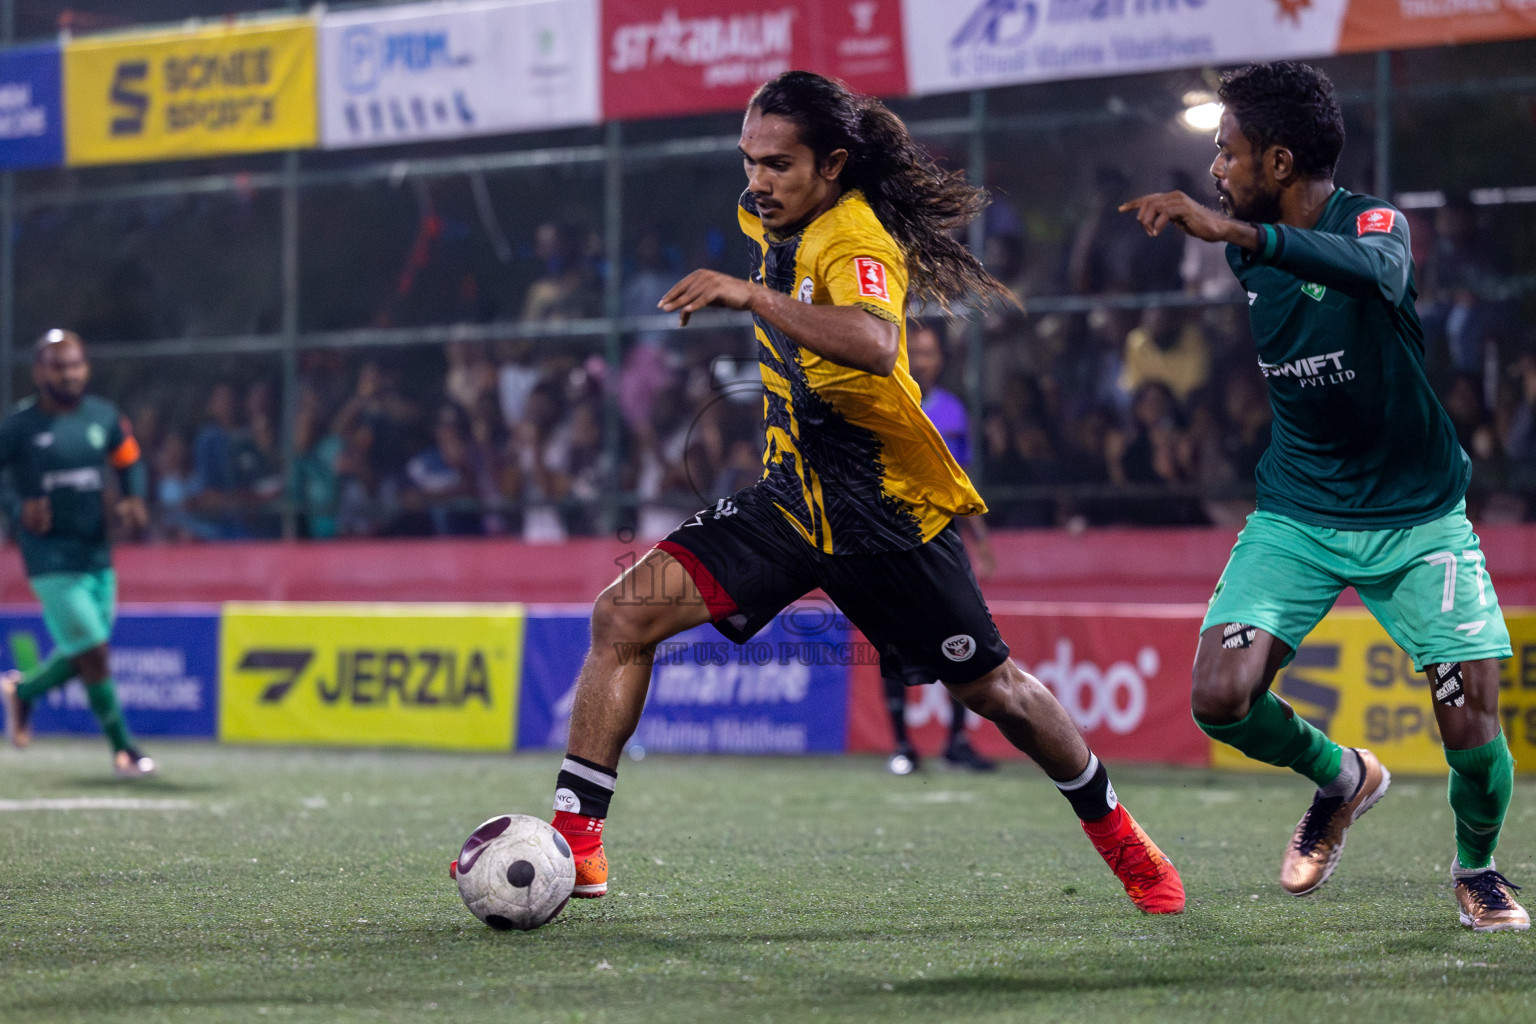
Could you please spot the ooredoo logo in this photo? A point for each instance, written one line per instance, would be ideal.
(1114, 698)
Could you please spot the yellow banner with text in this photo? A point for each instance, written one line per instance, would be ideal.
(427, 675)
(171, 95)
(1350, 680)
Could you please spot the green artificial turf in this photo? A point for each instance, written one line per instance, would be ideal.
(311, 885)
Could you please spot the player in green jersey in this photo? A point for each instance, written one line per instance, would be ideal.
(1362, 484)
(56, 449)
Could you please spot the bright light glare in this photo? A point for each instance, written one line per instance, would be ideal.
(1202, 117)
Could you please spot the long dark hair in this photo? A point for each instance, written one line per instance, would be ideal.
(920, 204)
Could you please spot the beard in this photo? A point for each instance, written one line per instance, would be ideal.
(1260, 208)
(58, 396)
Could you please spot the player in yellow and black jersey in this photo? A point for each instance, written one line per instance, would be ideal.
(849, 219)
(873, 474)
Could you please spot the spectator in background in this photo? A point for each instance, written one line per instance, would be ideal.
(1148, 456)
(314, 486)
(377, 422)
(471, 374)
(645, 374)
(1102, 257)
(568, 289)
(662, 483)
(1021, 450)
(1478, 437)
(1167, 347)
(214, 490)
(1461, 287)
(443, 483)
(925, 356)
(516, 377)
(257, 463)
(575, 470)
(531, 435)
(174, 518)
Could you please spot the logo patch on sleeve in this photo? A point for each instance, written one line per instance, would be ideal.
(871, 275)
(1380, 219)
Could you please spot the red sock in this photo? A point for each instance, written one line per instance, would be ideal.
(1112, 826)
(583, 833)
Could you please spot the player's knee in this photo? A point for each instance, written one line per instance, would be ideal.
(92, 666)
(620, 619)
(1221, 692)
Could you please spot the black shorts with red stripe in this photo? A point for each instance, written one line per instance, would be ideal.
(920, 608)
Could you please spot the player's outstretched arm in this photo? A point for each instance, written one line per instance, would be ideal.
(1155, 212)
(847, 335)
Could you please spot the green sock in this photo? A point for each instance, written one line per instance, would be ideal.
(56, 671)
(1482, 780)
(103, 698)
(1272, 732)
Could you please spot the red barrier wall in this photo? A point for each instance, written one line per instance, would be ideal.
(1127, 566)
(1121, 671)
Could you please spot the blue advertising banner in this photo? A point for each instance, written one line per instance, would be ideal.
(783, 692)
(165, 666)
(31, 108)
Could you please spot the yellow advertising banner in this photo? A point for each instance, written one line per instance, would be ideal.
(1350, 680)
(427, 675)
(166, 96)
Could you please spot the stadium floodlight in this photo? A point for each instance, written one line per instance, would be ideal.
(1202, 117)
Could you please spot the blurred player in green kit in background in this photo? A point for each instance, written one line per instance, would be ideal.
(55, 450)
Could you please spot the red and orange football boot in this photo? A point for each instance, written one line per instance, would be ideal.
(585, 835)
(1150, 879)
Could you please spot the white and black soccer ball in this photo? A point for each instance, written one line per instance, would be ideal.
(515, 871)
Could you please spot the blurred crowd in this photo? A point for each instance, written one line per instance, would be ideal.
(1122, 390)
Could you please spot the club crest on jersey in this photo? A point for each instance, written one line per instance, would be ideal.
(871, 274)
(96, 434)
(959, 647)
(807, 290)
(1380, 219)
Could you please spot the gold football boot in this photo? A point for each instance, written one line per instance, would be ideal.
(1318, 842)
(1486, 901)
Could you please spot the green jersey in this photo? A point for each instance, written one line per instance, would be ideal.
(1359, 440)
(64, 458)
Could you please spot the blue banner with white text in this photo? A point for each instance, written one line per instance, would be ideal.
(31, 108)
(783, 692)
(165, 667)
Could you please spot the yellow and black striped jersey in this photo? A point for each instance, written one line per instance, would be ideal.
(851, 459)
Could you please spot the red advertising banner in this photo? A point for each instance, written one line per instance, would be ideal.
(1121, 671)
(667, 57)
(1402, 24)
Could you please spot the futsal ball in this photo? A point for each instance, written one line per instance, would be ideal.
(515, 871)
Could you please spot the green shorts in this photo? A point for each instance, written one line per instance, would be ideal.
(1426, 585)
(78, 608)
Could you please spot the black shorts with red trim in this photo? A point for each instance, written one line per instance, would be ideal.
(920, 608)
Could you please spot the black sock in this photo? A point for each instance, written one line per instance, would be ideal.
(896, 704)
(956, 721)
(584, 787)
(1090, 794)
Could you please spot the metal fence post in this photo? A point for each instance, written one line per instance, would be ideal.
(1383, 140)
(976, 238)
(290, 328)
(613, 301)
